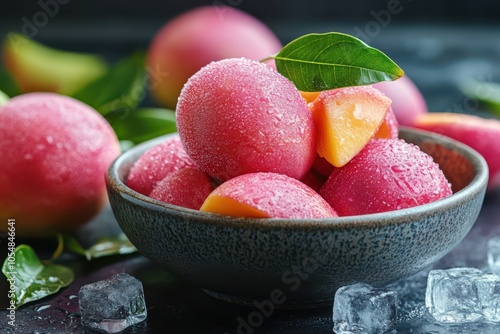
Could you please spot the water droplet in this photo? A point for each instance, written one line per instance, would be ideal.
(41, 308)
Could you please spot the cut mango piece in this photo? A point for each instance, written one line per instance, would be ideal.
(346, 119)
(266, 195)
(230, 207)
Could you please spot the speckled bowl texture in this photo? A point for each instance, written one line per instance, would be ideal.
(301, 263)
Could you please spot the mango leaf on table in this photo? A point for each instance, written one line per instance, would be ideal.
(317, 62)
(32, 280)
(105, 246)
(485, 92)
(118, 91)
(144, 124)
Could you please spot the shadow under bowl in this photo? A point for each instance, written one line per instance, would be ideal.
(301, 262)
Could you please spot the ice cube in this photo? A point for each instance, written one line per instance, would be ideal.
(488, 289)
(113, 304)
(461, 295)
(494, 255)
(361, 308)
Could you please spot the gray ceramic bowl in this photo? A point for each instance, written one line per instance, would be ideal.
(301, 263)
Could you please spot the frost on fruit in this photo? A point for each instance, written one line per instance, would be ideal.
(239, 116)
(267, 195)
(156, 163)
(388, 174)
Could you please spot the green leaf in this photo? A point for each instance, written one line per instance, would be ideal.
(143, 124)
(111, 246)
(71, 244)
(103, 247)
(31, 279)
(7, 83)
(317, 62)
(3, 98)
(126, 145)
(487, 93)
(120, 90)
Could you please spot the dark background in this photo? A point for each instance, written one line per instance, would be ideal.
(437, 43)
(137, 20)
(123, 24)
(470, 10)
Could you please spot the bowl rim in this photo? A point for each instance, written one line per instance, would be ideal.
(396, 217)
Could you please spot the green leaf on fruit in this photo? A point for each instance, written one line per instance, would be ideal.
(3, 98)
(487, 93)
(144, 124)
(30, 279)
(120, 90)
(106, 246)
(317, 62)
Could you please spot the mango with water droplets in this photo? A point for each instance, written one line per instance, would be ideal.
(56, 151)
(481, 134)
(387, 175)
(266, 195)
(156, 163)
(238, 116)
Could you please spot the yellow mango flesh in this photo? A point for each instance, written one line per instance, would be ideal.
(346, 122)
(309, 96)
(230, 207)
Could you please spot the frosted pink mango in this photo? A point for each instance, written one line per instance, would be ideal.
(199, 36)
(266, 195)
(187, 187)
(481, 134)
(239, 116)
(55, 152)
(387, 175)
(156, 163)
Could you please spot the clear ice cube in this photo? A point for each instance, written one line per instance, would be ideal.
(361, 308)
(112, 305)
(462, 295)
(494, 255)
